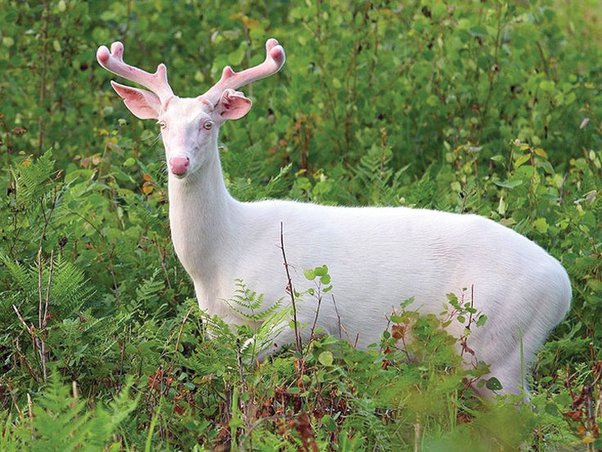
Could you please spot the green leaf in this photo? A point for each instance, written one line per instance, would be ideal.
(325, 279)
(432, 100)
(508, 183)
(129, 162)
(521, 160)
(493, 384)
(547, 85)
(310, 274)
(321, 271)
(326, 358)
(541, 225)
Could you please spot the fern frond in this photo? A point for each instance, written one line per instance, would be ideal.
(248, 303)
(245, 191)
(380, 183)
(105, 422)
(32, 179)
(149, 291)
(62, 422)
(269, 329)
(70, 288)
(19, 274)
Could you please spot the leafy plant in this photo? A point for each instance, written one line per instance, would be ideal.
(488, 108)
(59, 420)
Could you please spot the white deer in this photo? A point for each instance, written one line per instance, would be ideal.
(377, 257)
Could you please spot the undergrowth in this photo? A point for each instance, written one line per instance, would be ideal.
(490, 108)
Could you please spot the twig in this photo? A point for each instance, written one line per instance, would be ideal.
(43, 309)
(336, 310)
(23, 360)
(14, 400)
(313, 326)
(47, 300)
(182, 329)
(29, 329)
(241, 371)
(470, 319)
(386, 329)
(291, 291)
(163, 253)
(48, 217)
(417, 436)
(29, 407)
(40, 296)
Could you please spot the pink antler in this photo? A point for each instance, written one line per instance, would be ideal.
(113, 62)
(274, 61)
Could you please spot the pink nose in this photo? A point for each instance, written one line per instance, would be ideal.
(179, 165)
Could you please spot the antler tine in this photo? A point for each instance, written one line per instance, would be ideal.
(274, 60)
(113, 61)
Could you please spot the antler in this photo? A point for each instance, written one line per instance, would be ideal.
(274, 61)
(113, 61)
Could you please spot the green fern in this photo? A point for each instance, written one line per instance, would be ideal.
(18, 273)
(380, 184)
(243, 189)
(22, 285)
(70, 288)
(150, 289)
(270, 327)
(36, 308)
(60, 281)
(265, 324)
(248, 303)
(58, 419)
(423, 194)
(62, 422)
(32, 179)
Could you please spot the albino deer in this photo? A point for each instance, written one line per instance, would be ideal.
(377, 257)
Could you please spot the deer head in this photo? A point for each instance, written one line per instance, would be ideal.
(189, 126)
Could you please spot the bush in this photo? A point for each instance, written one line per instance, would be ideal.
(489, 108)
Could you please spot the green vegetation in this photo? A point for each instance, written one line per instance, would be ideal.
(485, 107)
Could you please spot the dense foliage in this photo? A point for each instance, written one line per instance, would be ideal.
(485, 107)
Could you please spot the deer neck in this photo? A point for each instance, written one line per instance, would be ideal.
(202, 217)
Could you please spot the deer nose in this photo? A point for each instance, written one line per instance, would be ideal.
(179, 165)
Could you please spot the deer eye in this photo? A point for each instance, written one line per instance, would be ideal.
(207, 125)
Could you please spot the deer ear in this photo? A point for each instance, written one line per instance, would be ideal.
(142, 103)
(233, 105)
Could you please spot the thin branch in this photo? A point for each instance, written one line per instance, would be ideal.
(47, 219)
(163, 255)
(182, 329)
(23, 360)
(42, 307)
(313, 326)
(14, 400)
(28, 328)
(336, 310)
(35, 341)
(291, 290)
(47, 300)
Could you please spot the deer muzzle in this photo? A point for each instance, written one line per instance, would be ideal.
(179, 165)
